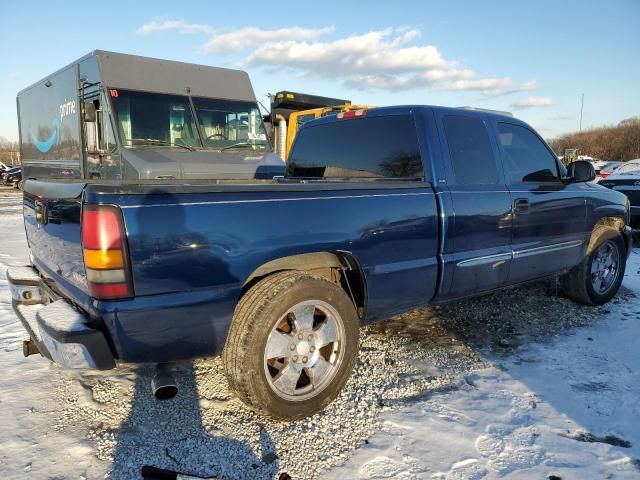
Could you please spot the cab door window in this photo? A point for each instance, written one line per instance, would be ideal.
(470, 150)
(526, 158)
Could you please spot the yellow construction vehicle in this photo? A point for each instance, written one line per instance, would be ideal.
(289, 110)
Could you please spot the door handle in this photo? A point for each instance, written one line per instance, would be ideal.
(521, 205)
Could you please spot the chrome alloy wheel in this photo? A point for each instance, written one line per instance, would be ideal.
(605, 267)
(304, 350)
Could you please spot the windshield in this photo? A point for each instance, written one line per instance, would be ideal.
(156, 119)
(229, 123)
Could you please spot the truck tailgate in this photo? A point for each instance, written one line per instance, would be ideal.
(52, 223)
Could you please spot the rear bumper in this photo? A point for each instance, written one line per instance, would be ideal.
(61, 332)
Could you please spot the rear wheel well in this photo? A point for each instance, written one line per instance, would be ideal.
(341, 268)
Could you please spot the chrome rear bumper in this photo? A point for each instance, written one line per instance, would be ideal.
(61, 332)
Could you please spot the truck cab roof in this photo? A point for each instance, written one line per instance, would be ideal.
(407, 109)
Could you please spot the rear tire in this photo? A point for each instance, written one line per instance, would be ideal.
(292, 345)
(598, 277)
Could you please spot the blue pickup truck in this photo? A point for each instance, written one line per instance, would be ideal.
(380, 211)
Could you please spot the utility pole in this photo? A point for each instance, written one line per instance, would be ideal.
(581, 107)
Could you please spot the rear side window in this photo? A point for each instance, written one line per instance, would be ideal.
(526, 158)
(374, 147)
(470, 150)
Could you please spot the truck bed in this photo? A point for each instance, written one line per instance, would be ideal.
(192, 247)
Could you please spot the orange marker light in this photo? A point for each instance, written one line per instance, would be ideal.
(103, 259)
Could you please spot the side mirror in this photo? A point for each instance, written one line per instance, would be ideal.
(581, 171)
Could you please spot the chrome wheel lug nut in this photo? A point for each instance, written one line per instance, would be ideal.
(295, 358)
(304, 359)
(292, 346)
(300, 336)
(312, 348)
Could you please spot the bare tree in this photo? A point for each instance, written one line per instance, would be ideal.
(620, 142)
(9, 152)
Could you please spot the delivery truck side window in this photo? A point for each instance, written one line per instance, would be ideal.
(369, 147)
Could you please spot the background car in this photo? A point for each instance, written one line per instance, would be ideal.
(3, 170)
(12, 175)
(626, 179)
(17, 179)
(604, 169)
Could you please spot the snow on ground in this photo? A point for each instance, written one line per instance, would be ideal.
(520, 384)
(27, 408)
(568, 407)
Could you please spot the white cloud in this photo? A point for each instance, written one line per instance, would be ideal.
(385, 60)
(493, 87)
(251, 36)
(391, 59)
(376, 52)
(162, 25)
(532, 102)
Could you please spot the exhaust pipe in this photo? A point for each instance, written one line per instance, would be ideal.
(29, 347)
(163, 383)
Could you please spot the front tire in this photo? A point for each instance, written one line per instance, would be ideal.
(598, 277)
(292, 345)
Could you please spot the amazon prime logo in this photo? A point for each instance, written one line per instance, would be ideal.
(67, 108)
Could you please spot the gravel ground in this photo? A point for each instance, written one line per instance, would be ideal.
(205, 431)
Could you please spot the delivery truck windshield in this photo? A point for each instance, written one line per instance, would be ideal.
(156, 119)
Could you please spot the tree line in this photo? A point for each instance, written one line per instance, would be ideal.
(8, 152)
(620, 142)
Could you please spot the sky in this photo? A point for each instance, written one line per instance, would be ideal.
(535, 59)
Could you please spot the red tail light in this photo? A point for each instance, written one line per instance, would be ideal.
(104, 251)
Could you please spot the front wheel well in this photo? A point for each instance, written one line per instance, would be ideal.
(615, 223)
(339, 267)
